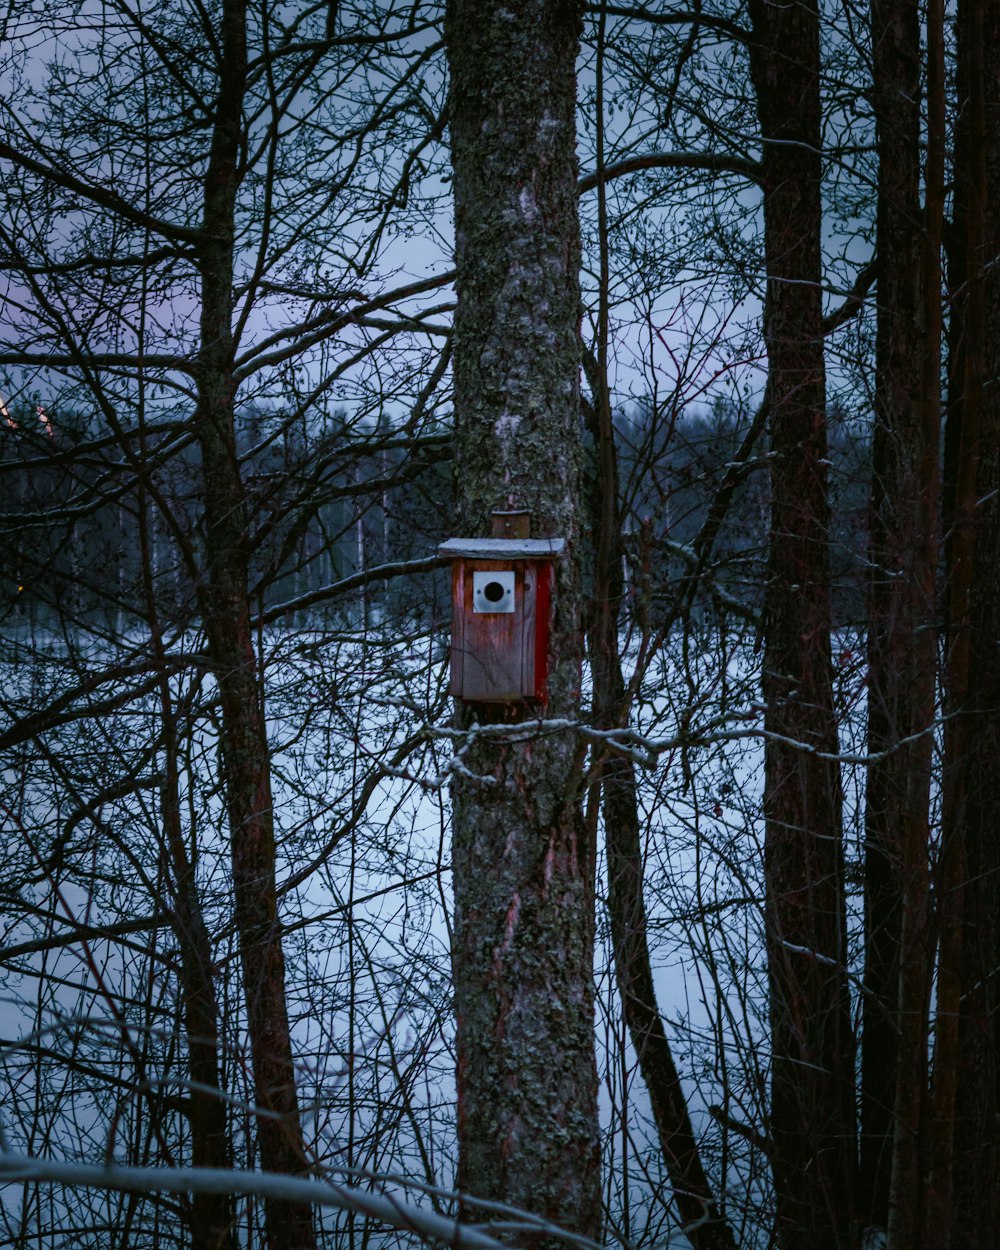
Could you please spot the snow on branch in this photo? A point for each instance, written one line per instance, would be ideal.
(383, 1206)
(646, 751)
(386, 1208)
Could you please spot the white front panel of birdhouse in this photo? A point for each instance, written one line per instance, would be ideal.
(493, 592)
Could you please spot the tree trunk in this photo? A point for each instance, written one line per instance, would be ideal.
(614, 778)
(812, 1124)
(226, 605)
(973, 517)
(937, 1161)
(523, 869)
(212, 1215)
(901, 639)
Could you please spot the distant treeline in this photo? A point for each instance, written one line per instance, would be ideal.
(101, 530)
(669, 474)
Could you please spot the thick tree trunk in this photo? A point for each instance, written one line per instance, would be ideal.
(227, 624)
(813, 1123)
(901, 640)
(523, 869)
(973, 517)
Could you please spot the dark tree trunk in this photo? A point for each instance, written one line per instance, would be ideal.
(813, 1123)
(973, 518)
(901, 638)
(615, 781)
(212, 1215)
(950, 870)
(228, 627)
(523, 869)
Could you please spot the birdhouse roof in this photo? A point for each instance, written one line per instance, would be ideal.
(503, 548)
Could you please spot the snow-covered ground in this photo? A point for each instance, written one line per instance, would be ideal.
(360, 755)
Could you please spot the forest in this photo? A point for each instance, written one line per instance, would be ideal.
(303, 946)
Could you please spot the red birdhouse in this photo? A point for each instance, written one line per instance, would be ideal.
(501, 597)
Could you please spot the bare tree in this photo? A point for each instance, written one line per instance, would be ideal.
(180, 241)
(812, 1118)
(613, 793)
(901, 642)
(966, 1198)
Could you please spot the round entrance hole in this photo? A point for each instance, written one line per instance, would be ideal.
(494, 591)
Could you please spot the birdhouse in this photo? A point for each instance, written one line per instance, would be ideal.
(501, 596)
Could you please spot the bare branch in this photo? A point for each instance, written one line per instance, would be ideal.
(720, 163)
(99, 195)
(381, 573)
(383, 1207)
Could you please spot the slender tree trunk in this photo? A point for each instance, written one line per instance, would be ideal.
(972, 844)
(813, 1123)
(937, 1162)
(212, 1215)
(230, 638)
(614, 782)
(696, 1203)
(901, 639)
(523, 868)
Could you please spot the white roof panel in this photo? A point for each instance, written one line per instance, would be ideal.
(503, 548)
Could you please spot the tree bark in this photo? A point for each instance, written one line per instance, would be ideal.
(227, 620)
(937, 1161)
(901, 639)
(972, 844)
(813, 1123)
(523, 869)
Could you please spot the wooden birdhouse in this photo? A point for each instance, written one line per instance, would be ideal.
(501, 597)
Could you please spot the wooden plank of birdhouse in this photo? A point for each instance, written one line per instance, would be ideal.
(513, 524)
(543, 574)
(457, 683)
(529, 624)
